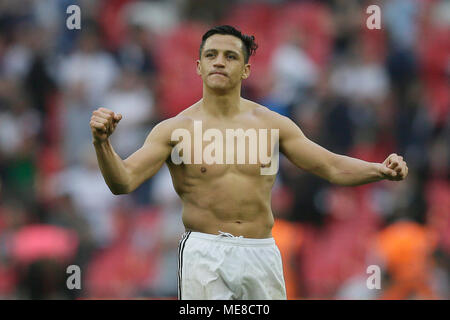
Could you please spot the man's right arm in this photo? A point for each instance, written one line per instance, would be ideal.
(124, 176)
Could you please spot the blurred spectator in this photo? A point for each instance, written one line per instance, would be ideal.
(19, 129)
(401, 21)
(95, 202)
(136, 53)
(135, 103)
(359, 77)
(88, 72)
(406, 248)
(85, 75)
(293, 71)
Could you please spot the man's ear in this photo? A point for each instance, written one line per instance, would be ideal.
(246, 72)
(199, 68)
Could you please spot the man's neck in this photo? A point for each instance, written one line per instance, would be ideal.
(222, 105)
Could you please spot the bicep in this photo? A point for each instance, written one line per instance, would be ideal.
(146, 161)
(305, 153)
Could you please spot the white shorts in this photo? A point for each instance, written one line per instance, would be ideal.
(224, 267)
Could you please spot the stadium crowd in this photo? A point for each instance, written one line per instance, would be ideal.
(360, 92)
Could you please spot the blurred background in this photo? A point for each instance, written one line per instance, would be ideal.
(360, 92)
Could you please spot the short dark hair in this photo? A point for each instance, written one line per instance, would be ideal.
(249, 43)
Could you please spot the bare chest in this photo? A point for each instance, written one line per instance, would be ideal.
(216, 149)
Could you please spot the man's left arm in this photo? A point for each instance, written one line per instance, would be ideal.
(335, 168)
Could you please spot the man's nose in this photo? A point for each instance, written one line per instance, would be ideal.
(219, 62)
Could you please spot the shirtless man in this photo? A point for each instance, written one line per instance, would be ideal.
(227, 251)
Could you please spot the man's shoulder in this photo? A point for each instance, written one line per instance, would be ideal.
(164, 130)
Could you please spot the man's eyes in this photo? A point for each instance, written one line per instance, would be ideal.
(230, 56)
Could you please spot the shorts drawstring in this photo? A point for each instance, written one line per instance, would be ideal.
(226, 234)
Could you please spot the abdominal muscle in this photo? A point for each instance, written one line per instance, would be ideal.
(234, 203)
(206, 221)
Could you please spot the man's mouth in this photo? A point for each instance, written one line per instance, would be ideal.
(219, 73)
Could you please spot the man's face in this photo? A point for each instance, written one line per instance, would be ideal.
(221, 64)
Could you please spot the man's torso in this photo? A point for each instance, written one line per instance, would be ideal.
(231, 197)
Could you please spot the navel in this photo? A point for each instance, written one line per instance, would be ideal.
(203, 169)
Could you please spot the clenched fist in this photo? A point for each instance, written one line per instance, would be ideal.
(103, 123)
(394, 168)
